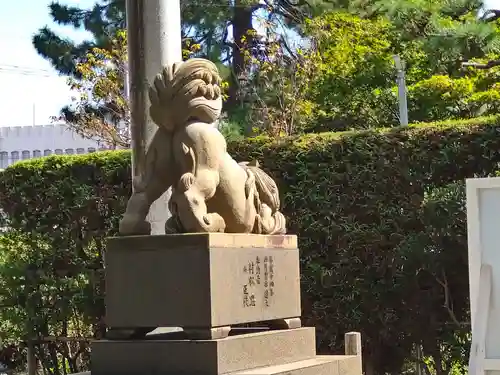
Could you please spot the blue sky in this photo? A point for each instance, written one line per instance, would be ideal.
(41, 89)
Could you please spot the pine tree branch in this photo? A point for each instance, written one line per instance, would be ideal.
(491, 15)
(61, 52)
(490, 64)
(66, 15)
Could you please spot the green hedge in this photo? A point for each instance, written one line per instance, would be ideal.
(362, 204)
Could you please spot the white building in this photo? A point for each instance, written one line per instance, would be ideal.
(25, 142)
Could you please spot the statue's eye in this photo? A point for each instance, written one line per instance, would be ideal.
(196, 201)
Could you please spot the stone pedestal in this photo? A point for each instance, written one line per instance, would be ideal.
(210, 284)
(201, 282)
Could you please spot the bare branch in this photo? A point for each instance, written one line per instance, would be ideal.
(448, 304)
(285, 12)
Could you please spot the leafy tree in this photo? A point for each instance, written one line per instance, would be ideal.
(438, 256)
(205, 24)
(491, 16)
(450, 31)
(441, 97)
(102, 21)
(354, 61)
(275, 97)
(354, 84)
(343, 78)
(100, 110)
(41, 299)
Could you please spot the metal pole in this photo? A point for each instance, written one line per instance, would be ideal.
(138, 83)
(163, 40)
(154, 40)
(403, 105)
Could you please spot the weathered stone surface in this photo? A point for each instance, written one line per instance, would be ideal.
(210, 191)
(206, 357)
(201, 280)
(319, 365)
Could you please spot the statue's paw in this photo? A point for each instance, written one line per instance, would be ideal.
(131, 225)
(279, 223)
(214, 222)
(272, 224)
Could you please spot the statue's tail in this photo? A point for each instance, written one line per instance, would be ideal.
(266, 187)
(189, 90)
(268, 193)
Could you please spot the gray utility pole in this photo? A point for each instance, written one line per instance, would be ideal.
(403, 105)
(154, 40)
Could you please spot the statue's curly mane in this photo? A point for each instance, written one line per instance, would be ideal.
(186, 91)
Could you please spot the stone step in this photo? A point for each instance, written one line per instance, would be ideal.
(320, 365)
(202, 357)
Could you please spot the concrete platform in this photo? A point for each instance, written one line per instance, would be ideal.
(319, 365)
(202, 357)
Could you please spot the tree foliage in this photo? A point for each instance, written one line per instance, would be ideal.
(338, 74)
(100, 108)
(274, 98)
(40, 299)
(354, 80)
(354, 65)
(205, 24)
(431, 251)
(102, 21)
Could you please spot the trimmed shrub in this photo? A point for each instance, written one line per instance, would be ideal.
(58, 211)
(359, 202)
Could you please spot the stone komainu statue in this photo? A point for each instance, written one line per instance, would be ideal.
(211, 192)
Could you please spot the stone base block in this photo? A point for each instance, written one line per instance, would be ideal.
(200, 281)
(205, 357)
(320, 365)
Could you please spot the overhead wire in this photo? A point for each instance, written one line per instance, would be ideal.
(25, 71)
